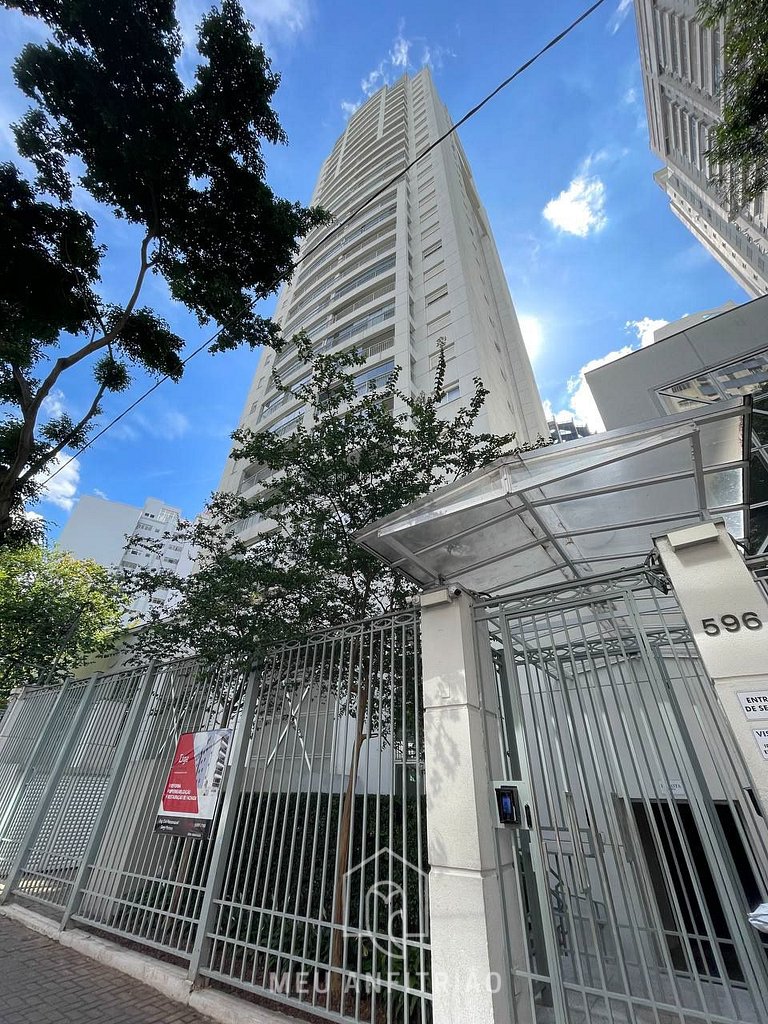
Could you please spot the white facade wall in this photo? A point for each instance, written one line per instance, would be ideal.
(417, 265)
(682, 66)
(106, 530)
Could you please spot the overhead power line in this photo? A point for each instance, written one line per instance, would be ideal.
(342, 224)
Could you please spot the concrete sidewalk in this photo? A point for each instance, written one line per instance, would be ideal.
(42, 982)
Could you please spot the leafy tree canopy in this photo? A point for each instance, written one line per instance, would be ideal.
(357, 460)
(112, 116)
(55, 613)
(739, 142)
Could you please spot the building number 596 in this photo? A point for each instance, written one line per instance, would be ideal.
(732, 623)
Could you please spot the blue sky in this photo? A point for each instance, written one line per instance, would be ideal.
(591, 251)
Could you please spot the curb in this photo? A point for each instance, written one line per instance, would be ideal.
(169, 980)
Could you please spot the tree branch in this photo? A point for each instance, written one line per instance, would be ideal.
(36, 466)
(27, 433)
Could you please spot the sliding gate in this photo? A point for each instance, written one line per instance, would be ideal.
(641, 848)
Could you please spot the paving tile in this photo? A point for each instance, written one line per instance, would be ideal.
(46, 983)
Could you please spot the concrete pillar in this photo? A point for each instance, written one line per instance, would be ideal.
(728, 616)
(471, 983)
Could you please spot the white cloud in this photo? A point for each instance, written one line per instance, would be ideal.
(61, 489)
(53, 404)
(100, 494)
(530, 328)
(645, 329)
(165, 424)
(272, 20)
(580, 405)
(630, 96)
(398, 55)
(619, 16)
(397, 61)
(579, 209)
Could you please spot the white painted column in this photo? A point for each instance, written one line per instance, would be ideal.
(728, 615)
(466, 921)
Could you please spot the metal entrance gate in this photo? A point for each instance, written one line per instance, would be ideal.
(642, 847)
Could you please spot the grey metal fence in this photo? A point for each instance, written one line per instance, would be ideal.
(321, 894)
(313, 887)
(642, 847)
(138, 883)
(34, 729)
(65, 811)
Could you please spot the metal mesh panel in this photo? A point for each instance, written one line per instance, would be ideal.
(642, 848)
(27, 757)
(20, 728)
(141, 884)
(63, 833)
(323, 899)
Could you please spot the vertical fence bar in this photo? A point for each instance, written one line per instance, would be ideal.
(50, 788)
(29, 771)
(227, 821)
(130, 729)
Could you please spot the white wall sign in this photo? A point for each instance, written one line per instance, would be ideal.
(761, 738)
(722, 603)
(754, 704)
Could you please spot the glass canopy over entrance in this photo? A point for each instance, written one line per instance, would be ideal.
(573, 511)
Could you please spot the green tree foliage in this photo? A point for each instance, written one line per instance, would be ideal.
(55, 613)
(183, 163)
(738, 152)
(356, 462)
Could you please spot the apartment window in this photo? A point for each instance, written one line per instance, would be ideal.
(683, 29)
(432, 272)
(433, 249)
(658, 31)
(673, 41)
(452, 392)
(684, 133)
(436, 295)
(439, 323)
(434, 356)
(693, 51)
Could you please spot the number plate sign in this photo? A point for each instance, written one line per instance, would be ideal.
(725, 608)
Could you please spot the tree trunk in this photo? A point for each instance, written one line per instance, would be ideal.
(343, 850)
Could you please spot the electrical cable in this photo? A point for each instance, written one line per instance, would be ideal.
(339, 227)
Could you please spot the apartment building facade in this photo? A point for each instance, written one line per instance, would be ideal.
(414, 268)
(114, 534)
(682, 67)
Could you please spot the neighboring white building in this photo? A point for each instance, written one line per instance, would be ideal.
(417, 265)
(692, 364)
(695, 361)
(107, 532)
(682, 66)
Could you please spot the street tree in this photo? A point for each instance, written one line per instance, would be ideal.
(56, 612)
(738, 152)
(113, 125)
(368, 448)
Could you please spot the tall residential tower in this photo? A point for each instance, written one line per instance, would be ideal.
(417, 265)
(682, 64)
